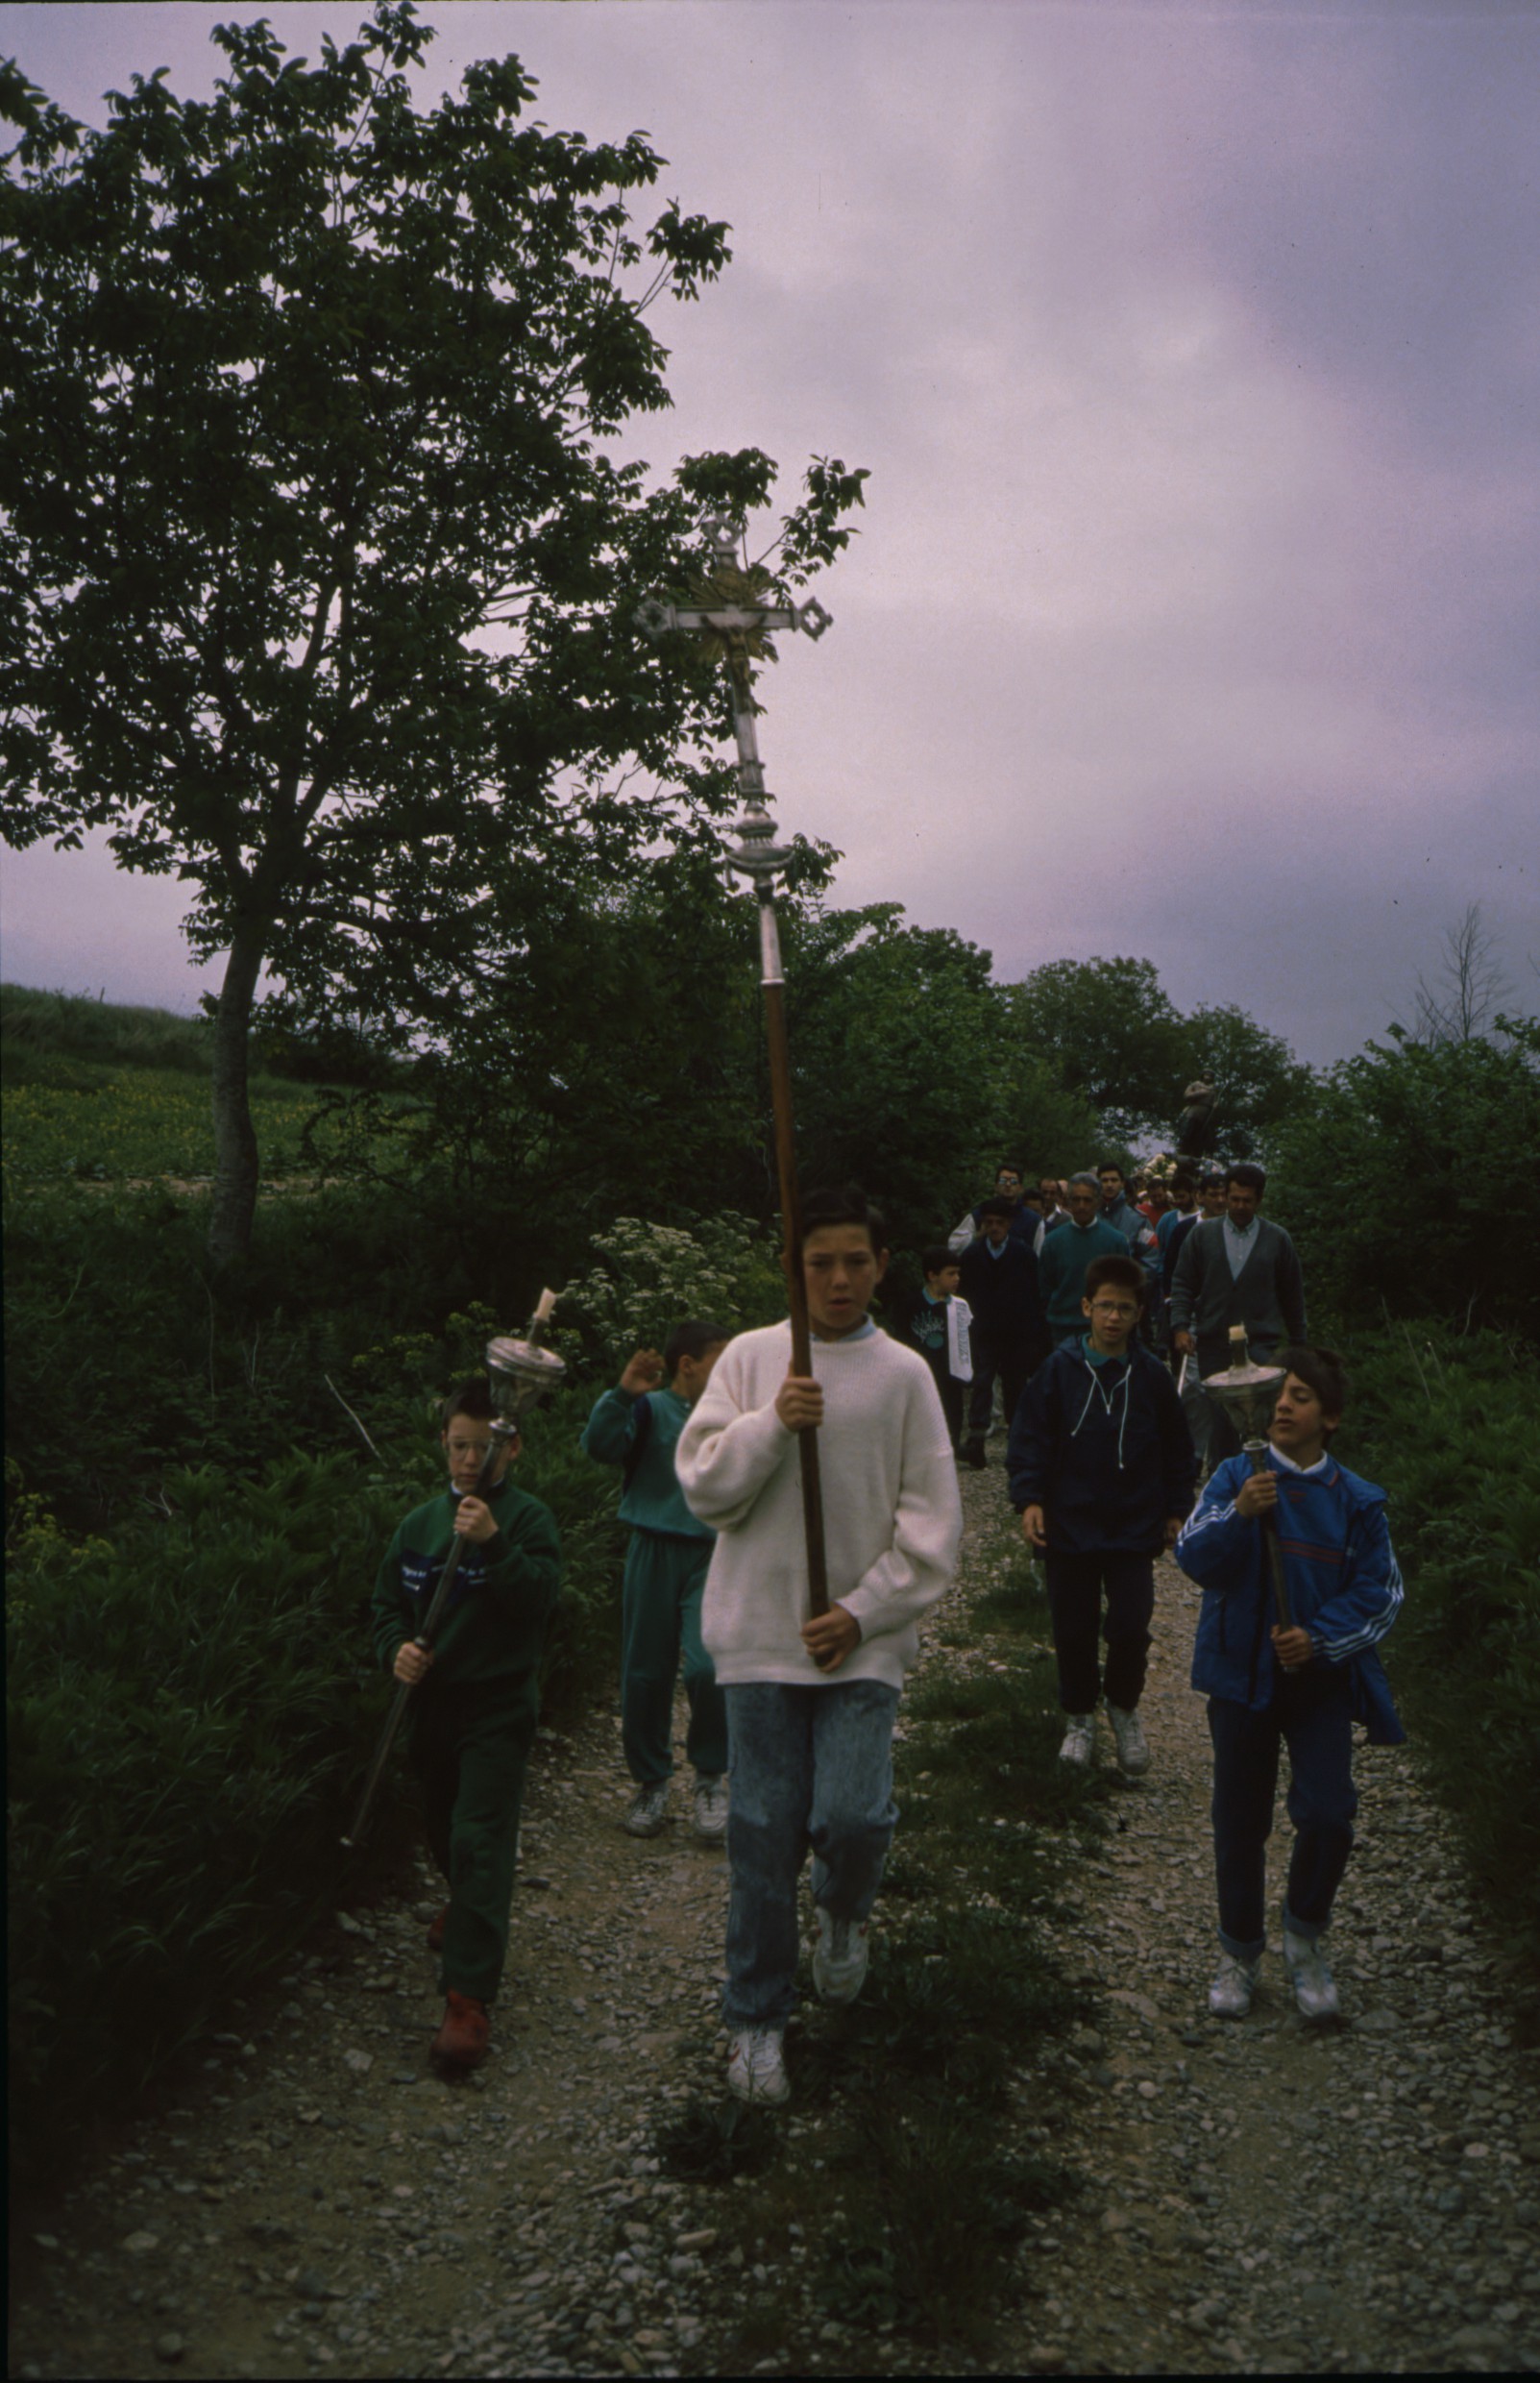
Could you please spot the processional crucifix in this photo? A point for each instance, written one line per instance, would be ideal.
(733, 621)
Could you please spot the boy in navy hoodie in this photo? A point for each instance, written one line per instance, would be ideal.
(1101, 1468)
(637, 1426)
(1303, 1686)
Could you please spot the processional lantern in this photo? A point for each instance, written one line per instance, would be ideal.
(731, 614)
(1248, 1393)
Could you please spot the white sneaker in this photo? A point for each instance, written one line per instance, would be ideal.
(1080, 1739)
(1314, 1986)
(1234, 1984)
(839, 1957)
(711, 1809)
(756, 2069)
(1132, 1747)
(648, 1812)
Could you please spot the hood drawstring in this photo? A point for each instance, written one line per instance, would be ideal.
(1107, 1398)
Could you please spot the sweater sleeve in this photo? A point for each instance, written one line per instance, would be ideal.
(913, 1572)
(1177, 1455)
(729, 1450)
(1029, 1452)
(611, 1427)
(524, 1559)
(1369, 1600)
(1291, 1288)
(390, 1614)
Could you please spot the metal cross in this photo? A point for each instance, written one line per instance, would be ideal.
(735, 620)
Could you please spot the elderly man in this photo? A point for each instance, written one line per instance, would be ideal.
(1025, 1221)
(1063, 1256)
(998, 1275)
(1237, 1268)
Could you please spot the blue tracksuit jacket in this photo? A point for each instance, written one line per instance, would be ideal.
(1344, 1586)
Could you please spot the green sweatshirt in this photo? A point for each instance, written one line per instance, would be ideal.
(494, 1624)
(651, 1499)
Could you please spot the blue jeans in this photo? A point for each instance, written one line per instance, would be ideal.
(1312, 1713)
(808, 1766)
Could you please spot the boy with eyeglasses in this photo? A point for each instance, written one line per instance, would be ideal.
(1102, 1471)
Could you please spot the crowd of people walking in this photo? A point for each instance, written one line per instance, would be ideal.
(1093, 1307)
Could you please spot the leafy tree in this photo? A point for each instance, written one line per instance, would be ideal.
(1110, 1032)
(1409, 1181)
(322, 568)
(1258, 1080)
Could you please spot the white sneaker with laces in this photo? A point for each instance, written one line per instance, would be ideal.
(711, 1809)
(647, 1814)
(756, 2066)
(1080, 1739)
(1132, 1747)
(1234, 1984)
(1314, 1986)
(839, 1957)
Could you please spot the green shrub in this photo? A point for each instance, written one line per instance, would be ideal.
(1444, 1424)
(187, 1713)
(1407, 1182)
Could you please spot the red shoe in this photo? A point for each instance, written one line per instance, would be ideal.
(461, 2041)
(435, 1930)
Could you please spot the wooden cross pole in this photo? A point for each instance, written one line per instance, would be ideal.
(733, 619)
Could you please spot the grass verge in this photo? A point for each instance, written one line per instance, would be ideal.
(901, 2184)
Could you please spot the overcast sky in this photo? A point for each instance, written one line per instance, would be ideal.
(1193, 353)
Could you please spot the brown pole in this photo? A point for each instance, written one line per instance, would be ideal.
(780, 1069)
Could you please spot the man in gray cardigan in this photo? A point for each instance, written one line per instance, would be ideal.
(1237, 1269)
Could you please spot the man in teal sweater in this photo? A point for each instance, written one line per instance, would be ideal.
(472, 1717)
(1063, 1256)
(637, 1426)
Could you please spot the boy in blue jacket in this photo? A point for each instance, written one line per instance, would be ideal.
(637, 1426)
(1102, 1468)
(1303, 1686)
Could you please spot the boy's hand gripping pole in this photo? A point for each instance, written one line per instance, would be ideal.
(733, 618)
(520, 1372)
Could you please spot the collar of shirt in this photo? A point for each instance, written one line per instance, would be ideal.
(1307, 1472)
(863, 1331)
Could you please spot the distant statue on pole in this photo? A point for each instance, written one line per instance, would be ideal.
(1195, 1125)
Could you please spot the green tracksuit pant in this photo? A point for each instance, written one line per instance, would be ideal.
(470, 1747)
(660, 1618)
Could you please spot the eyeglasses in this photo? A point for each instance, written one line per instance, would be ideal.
(1114, 1307)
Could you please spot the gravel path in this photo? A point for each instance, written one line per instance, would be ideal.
(1260, 2197)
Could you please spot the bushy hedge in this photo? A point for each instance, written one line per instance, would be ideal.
(186, 1712)
(1446, 1425)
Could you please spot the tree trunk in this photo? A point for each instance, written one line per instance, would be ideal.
(235, 1157)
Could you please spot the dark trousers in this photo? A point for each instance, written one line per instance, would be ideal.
(1311, 1713)
(1014, 1364)
(1076, 1585)
(953, 1394)
(470, 1748)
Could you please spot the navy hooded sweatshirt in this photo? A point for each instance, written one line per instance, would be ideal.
(1104, 1450)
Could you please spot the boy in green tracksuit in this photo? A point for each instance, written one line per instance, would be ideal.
(637, 1426)
(476, 1699)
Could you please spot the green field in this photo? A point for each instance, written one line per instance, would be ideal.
(123, 1125)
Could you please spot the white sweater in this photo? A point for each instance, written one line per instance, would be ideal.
(892, 1519)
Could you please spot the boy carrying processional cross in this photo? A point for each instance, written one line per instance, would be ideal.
(812, 1701)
